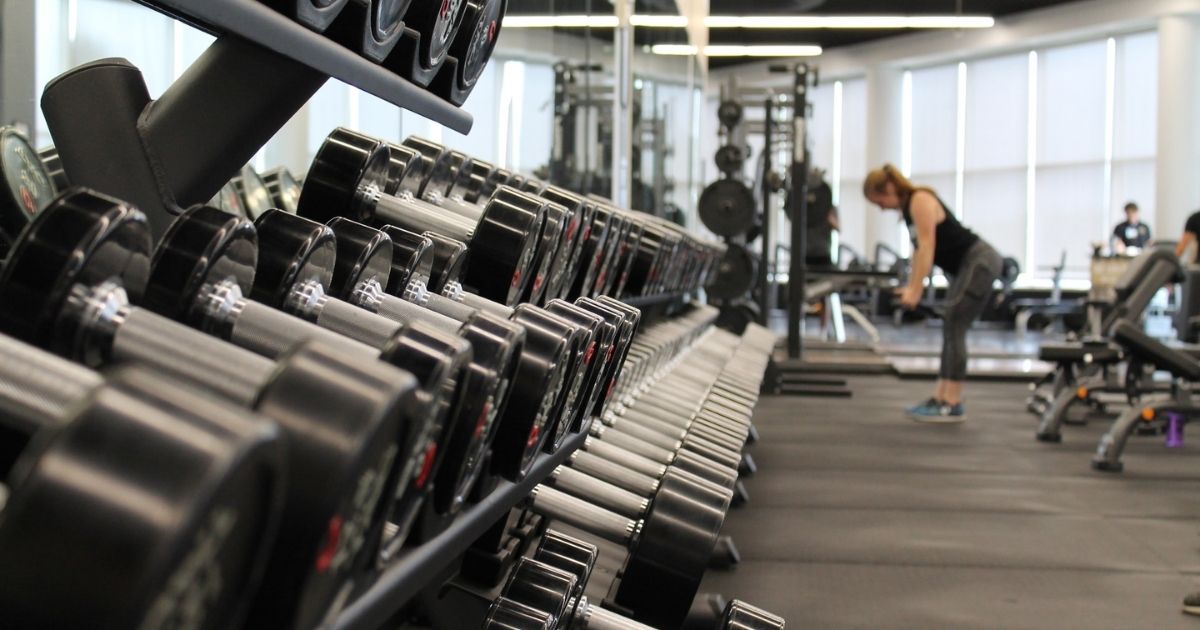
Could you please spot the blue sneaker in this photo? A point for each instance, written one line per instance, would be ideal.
(927, 407)
(938, 413)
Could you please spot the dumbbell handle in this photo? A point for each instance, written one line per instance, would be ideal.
(614, 473)
(420, 216)
(38, 388)
(484, 304)
(599, 492)
(589, 616)
(559, 505)
(400, 310)
(272, 333)
(151, 339)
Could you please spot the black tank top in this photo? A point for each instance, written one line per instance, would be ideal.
(953, 239)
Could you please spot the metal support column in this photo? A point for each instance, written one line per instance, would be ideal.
(622, 112)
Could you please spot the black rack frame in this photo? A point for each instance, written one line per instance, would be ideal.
(415, 568)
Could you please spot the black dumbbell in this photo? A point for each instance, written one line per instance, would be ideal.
(471, 51)
(431, 174)
(411, 257)
(64, 288)
(229, 200)
(206, 263)
(26, 185)
(54, 168)
(739, 615)
(669, 548)
(429, 30)
(348, 178)
(427, 167)
(283, 187)
(91, 465)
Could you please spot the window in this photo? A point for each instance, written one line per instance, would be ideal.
(996, 155)
(1135, 125)
(934, 144)
(852, 133)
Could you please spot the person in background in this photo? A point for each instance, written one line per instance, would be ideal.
(970, 261)
(1130, 233)
(1191, 232)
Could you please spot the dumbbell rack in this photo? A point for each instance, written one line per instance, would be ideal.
(256, 22)
(415, 569)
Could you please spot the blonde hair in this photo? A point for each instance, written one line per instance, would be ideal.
(878, 179)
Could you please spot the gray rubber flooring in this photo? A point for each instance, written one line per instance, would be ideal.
(860, 518)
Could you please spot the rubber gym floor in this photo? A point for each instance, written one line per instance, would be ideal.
(859, 518)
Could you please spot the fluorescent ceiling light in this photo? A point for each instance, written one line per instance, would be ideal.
(560, 21)
(798, 22)
(849, 21)
(804, 50)
(657, 21)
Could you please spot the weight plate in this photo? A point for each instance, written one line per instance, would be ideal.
(474, 49)
(412, 259)
(256, 199)
(736, 273)
(437, 23)
(284, 189)
(54, 168)
(347, 164)
(386, 17)
(292, 250)
(27, 185)
(729, 113)
(202, 247)
(81, 238)
(730, 159)
(728, 208)
(449, 261)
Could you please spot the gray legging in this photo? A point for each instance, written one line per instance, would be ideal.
(969, 292)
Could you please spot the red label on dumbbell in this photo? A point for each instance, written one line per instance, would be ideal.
(537, 283)
(333, 532)
(426, 466)
(445, 9)
(571, 227)
(516, 280)
(591, 352)
(534, 434)
(483, 417)
(492, 31)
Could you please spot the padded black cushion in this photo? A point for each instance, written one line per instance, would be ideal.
(1076, 352)
(1154, 352)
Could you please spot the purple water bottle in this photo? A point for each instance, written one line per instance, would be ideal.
(1175, 423)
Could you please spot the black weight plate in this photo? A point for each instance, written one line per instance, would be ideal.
(596, 358)
(729, 113)
(736, 273)
(742, 616)
(727, 207)
(27, 186)
(412, 259)
(256, 199)
(284, 189)
(54, 168)
(541, 586)
(736, 317)
(387, 16)
(175, 535)
(449, 261)
(202, 247)
(503, 248)
(474, 51)
(437, 23)
(347, 164)
(730, 159)
(364, 255)
(291, 250)
(663, 571)
(81, 238)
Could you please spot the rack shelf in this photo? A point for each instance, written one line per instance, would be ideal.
(256, 22)
(413, 570)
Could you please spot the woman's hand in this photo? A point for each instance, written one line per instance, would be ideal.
(909, 296)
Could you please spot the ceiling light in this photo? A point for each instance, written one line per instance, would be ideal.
(804, 50)
(848, 21)
(656, 21)
(560, 21)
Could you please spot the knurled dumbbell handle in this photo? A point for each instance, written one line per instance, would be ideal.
(484, 304)
(630, 460)
(614, 473)
(357, 323)
(38, 388)
(151, 339)
(400, 310)
(599, 492)
(420, 216)
(579, 513)
(592, 617)
(272, 333)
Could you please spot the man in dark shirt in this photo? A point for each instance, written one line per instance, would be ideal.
(1131, 232)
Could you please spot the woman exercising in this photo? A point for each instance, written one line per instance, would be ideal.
(973, 265)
